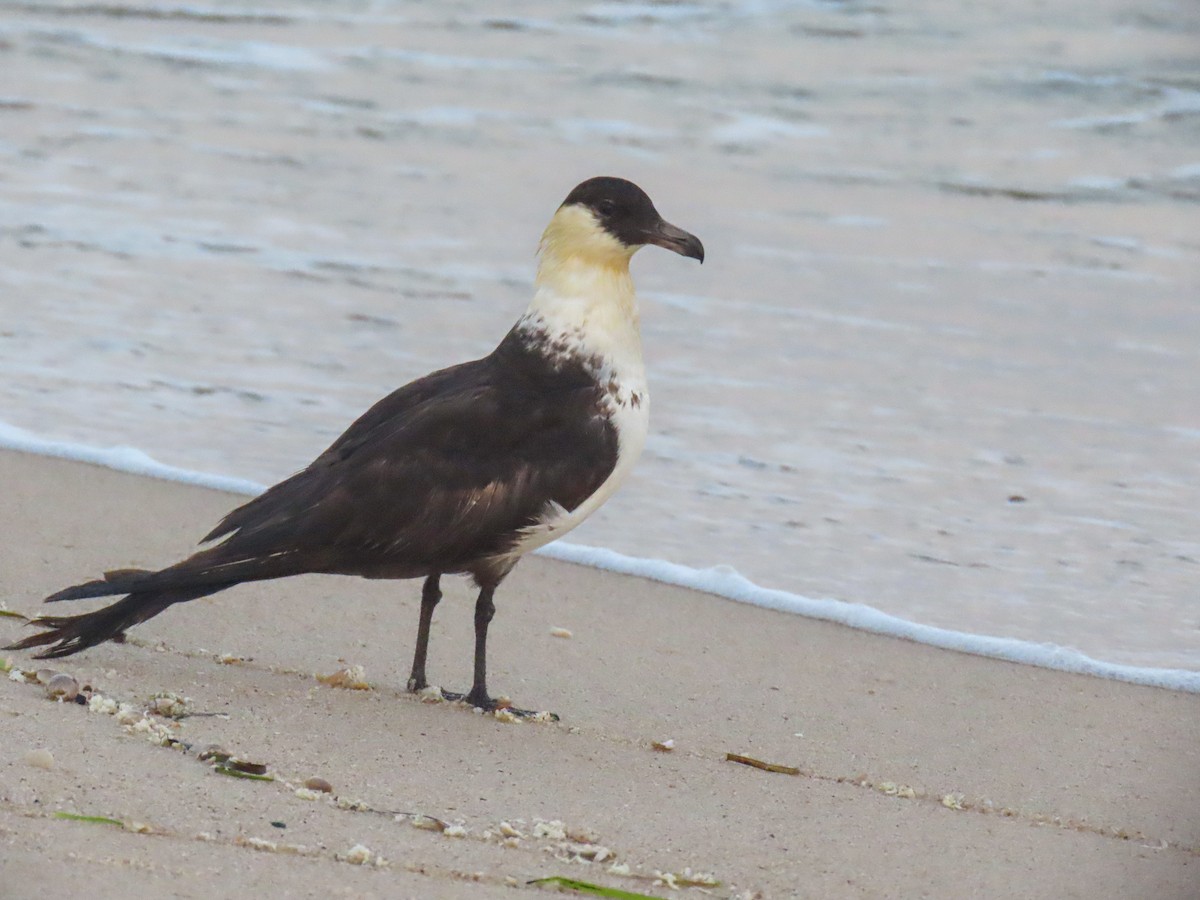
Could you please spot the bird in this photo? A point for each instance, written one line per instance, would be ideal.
(460, 472)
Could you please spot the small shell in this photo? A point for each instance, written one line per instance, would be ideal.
(62, 687)
(101, 704)
(169, 705)
(428, 823)
(358, 855)
(318, 784)
(352, 678)
(554, 830)
(561, 633)
(953, 801)
(40, 759)
(244, 765)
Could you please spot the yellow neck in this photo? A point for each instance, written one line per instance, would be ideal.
(585, 293)
(582, 265)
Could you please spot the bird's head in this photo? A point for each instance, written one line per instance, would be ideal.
(605, 220)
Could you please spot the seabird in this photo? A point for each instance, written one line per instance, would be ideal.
(460, 472)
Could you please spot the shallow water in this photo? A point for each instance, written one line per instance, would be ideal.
(941, 359)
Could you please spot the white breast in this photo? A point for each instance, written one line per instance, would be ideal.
(606, 333)
(632, 420)
(585, 307)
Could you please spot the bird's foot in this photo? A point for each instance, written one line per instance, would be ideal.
(480, 700)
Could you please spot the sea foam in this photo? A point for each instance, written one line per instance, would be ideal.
(122, 459)
(722, 581)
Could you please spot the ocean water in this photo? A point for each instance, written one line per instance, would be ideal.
(941, 360)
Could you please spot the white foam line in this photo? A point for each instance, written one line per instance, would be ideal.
(122, 459)
(725, 581)
(722, 581)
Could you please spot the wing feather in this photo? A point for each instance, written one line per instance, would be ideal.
(440, 473)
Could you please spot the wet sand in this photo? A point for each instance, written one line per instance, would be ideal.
(922, 773)
(941, 359)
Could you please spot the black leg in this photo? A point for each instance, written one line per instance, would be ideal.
(484, 610)
(431, 593)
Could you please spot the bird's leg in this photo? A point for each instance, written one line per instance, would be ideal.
(431, 593)
(484, 610)
(478, 696)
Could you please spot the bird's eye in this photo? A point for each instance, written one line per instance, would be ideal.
(606, 207)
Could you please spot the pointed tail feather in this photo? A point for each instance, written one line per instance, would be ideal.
(118, 581)
(70, 634)
(207, 571)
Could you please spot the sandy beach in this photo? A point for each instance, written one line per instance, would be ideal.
(940, 361)
(922, 773)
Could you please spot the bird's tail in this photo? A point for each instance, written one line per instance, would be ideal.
(144, 600)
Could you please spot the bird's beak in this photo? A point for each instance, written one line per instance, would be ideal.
(667, 235)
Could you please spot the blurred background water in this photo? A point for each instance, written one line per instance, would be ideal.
(942, 359)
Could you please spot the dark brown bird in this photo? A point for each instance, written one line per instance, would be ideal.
(460, 472)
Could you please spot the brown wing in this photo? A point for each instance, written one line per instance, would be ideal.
(440, 473)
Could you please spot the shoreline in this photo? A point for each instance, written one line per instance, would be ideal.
(920, 772)
(719, 581)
